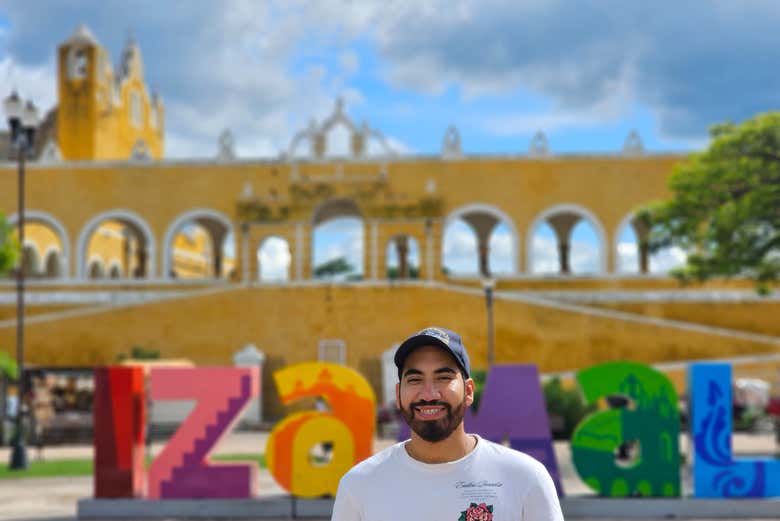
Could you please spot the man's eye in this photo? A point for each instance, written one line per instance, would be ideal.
(413, 380)
(446, 377)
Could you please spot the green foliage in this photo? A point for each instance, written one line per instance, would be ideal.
(567, 404)
(139, 353)
(393, 274)
(9, 247)
(725, 209)
(8, 366)
(85, 467)
(479, 376)
(339, 266)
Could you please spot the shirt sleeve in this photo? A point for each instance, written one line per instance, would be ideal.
(541, 501)
(345, 507)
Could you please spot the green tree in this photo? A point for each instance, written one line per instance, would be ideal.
(9, 247)
(331, 268)
(725, 209)
(392, 272)
(566, 404)
(8, 366)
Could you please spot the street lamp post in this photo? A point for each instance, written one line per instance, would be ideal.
(488, 284)
(22, 120)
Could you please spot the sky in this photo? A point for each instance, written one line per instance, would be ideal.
(585, 73)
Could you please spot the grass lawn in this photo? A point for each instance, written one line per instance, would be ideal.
(83, 467)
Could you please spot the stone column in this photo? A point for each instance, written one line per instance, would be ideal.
(562, 224)
(244, 257)
(254, 265)
(402, 250)
(642, 232)
(434, 233)
(374, 250)
(126, 249)
(483, 225)
(142, 256)
(302, 254)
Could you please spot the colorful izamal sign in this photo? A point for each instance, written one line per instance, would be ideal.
(512, 408)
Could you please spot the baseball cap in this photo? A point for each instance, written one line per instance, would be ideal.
(447, 339)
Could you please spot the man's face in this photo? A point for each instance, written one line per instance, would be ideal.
(432, 394)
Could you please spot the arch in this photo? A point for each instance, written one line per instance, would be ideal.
(261, 265)
(407, 260)
(124, 216)
(180, 221)
(54, 223)
(339, 236)
(567, 208)
(626, 221)
(498, 214)
(652, 259)
(334, 208)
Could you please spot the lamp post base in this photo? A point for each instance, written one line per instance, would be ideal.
(18, 457)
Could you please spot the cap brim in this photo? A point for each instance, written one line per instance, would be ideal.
(410, 344)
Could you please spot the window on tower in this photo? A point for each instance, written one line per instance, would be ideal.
(77, 66)
(136, 110)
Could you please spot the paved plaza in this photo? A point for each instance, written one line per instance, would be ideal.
(55, 498)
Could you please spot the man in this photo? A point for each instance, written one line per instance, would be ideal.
(442, 473)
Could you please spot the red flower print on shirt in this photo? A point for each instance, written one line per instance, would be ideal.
(477, 512)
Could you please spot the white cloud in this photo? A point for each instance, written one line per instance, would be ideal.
(274, 259)
(584, 257)
(544, 256)
(460, 249)
(627, 257)
(666, 259)
(34, 82)
(349, 62)
(500, 248)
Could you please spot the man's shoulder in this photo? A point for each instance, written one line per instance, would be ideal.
(511, 458)
(373, 466)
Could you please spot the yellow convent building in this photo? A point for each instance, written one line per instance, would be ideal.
(128, 249)
(105, 114)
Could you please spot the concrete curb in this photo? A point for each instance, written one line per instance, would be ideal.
(284, 506)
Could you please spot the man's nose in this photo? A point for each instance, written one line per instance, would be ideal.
(429, 392)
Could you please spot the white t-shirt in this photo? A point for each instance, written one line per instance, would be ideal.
(491, 483)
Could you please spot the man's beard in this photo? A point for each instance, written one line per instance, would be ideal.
(434, 430)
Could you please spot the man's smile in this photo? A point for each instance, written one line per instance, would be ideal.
(430, 412)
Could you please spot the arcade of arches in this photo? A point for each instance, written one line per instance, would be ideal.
(528, 209)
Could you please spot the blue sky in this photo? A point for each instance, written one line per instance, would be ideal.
(584, 73)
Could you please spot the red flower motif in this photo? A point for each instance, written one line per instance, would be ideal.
(480, 512)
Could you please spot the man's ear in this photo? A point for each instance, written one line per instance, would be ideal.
(398, 395)
(469, 387)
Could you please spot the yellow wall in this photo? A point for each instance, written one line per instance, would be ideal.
(287, 322)
(757, 316)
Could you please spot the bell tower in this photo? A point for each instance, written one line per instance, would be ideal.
(79, 62)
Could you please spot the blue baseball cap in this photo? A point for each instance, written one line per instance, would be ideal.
(434, 336)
